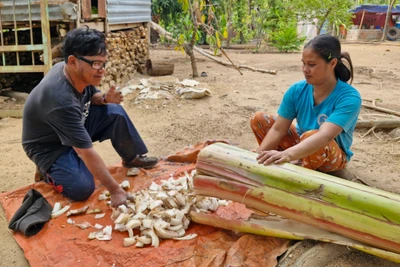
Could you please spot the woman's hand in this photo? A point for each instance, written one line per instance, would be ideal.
(114, 96)
(273, 156)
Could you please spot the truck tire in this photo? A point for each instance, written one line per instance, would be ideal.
(393, 33)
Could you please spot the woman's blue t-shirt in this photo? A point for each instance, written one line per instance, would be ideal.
(341, 107)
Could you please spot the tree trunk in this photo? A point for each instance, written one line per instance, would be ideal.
(321, 23)
(229, 23)
(189, 46)
(388, 17)
(189, 50)
(159, 68)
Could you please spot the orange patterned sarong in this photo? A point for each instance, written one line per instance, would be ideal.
(327, 159)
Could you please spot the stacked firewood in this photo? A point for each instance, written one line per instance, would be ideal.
(9, 80)
(128, 52)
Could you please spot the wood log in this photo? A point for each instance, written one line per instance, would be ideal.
(11, 113)
(320, 255)
(18, 96)
(356, 211)
(159, 68)
(168, 36)
(57, 51)
(230, 65)
(385, 110)
(378, 124)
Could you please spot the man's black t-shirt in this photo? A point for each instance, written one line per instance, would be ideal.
(54, 117)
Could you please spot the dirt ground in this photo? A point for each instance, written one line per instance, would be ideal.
(169, 125)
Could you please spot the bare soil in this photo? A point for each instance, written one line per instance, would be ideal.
(169, 125)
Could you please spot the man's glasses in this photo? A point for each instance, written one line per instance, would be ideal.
(97, 65)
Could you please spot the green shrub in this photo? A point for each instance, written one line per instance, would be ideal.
(285, 37)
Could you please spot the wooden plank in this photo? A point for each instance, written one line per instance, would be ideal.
(116, 27)
(94, 25)
(17, 113)
(101, 8)
(46, 38)
(24, 68)
(52, 2)
(21, 48)
(86, 9)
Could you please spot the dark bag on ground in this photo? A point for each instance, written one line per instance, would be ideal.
(34, 212)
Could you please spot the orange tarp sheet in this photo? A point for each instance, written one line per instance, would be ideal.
(63, 244)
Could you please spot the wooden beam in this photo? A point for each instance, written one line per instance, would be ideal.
(94, 25)
(23, 69)
(86, 9)
(101, 8)
(46, 36)
(116, 27)
(21, 48)
(17, 113)
(380, 124)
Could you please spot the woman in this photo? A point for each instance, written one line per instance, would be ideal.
(325, 107)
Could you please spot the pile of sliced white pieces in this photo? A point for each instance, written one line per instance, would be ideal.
(160, 211)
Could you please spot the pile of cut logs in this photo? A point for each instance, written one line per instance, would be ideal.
(8, 80)
(128, 52)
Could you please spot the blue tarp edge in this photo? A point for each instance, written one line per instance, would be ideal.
(375, 9)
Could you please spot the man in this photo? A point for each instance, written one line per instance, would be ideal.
(65, 113)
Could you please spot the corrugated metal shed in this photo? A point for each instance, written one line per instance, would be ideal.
(66, 11)
(128, 11)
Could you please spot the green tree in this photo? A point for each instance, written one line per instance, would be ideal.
(197, 19)
(264, 20)
(333, 12)
(241, 21)
(285, 37)
(275, 23)
(167, 10)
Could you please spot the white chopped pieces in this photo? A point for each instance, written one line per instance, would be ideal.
(160, 212)
(99, 216)
(59, 211)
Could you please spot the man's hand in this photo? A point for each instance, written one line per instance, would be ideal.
(273, 156)
(119, 197)
(114, 96)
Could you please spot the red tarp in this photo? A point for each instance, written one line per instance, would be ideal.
(63, 244)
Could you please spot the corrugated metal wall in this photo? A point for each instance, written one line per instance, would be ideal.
(66, 11)
(128, 11)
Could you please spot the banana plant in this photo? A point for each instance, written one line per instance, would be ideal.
(356, 211)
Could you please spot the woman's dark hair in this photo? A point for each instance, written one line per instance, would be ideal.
(84, 42)
(328, 47)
